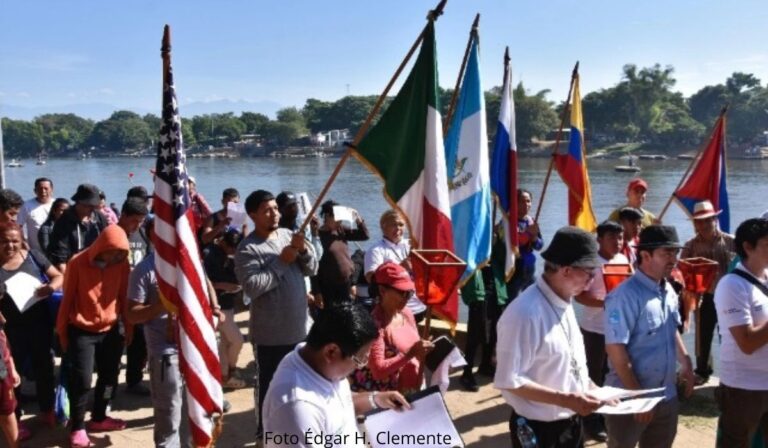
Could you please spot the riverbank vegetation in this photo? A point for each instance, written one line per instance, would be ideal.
(641, 111)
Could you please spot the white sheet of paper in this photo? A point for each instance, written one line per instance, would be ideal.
(617, 393)
(344, 214)
(428, 418)
(440, 376)
(633, 406)
(21, 287)
(236, 212)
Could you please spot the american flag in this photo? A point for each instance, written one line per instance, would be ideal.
(180, 275)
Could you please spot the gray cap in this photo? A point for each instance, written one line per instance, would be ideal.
(572, 246)
(87, 194)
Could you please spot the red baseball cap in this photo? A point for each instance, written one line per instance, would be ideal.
(637, 183)
(395, 276)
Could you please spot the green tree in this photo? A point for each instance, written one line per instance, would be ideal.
(22, 138)
(253, 122)
(534, 115)
(228, 127)
(279, 133)
(123, 130)
(62, 132)
(153, 122)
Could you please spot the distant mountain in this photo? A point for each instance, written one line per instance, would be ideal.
(101, 111)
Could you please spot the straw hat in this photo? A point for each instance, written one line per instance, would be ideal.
(703, 210)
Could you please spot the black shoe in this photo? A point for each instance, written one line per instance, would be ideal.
(468, 383)
(487, 370)
(138, 389)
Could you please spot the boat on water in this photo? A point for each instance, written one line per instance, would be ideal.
(41, 160)
(14, 164)
(653, 157)
(627, 168)
(686, 156)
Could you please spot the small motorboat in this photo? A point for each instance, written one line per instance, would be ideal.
(627, 168)
(653, 157)
(14, 164)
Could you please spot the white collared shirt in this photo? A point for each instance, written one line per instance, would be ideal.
(538, 335)
(384, 251)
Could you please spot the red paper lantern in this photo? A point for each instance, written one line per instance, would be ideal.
(436, 273)
(699, 273)
(614, 274)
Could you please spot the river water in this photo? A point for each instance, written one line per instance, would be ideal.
(358, 188)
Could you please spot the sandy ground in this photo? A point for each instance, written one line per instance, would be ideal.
(481, 418)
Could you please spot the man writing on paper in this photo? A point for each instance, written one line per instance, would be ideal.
(643, 344)
(309, 402)
(541, 365)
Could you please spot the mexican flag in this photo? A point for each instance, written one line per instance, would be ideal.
(405, 148)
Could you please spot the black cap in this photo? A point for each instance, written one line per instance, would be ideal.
(134, 206)
(630, 214)
(572, 246)
(138, 192)
(285, 198)
(609, 227)
(656, 236)
(87, 194)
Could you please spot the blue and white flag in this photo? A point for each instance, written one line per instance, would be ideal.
(466, 154)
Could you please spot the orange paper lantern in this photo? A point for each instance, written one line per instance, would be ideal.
(436, 273)
(699, 273)
(614, 274)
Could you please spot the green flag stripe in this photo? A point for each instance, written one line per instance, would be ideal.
(395, 146)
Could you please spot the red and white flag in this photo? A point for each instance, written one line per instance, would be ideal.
(180, 275)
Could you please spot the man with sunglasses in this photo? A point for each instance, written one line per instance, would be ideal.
(643, 344)
(541, 365)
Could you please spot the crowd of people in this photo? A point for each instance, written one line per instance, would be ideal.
(334, 332)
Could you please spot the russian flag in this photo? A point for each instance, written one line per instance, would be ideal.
(466, 155)
(504, 168)
(707, 178)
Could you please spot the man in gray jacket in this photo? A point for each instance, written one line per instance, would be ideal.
(270, 264)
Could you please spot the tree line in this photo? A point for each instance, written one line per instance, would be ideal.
(641, 107)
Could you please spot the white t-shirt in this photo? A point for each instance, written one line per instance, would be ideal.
(304, 409)
(32, 215)
(591, 318)
(538, 337)
(384, 251)
(738, 302)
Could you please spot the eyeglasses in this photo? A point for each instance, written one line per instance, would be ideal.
(360, 362)
(591, 272)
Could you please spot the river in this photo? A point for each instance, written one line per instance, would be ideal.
(358, 188)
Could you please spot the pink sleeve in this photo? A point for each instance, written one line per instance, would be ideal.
(382, 367)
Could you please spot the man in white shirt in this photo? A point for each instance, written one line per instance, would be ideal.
(393, 247)
(35, 211)
(741, 300)
(610, 240)
(541, 366)
(309, 402)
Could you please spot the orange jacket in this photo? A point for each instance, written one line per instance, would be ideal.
(94, 297)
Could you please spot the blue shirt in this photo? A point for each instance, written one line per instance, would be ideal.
(643, 315)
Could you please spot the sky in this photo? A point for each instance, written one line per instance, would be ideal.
(56, 53)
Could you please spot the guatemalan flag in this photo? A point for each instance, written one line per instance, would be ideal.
(466, 156)
(707, 178)
(504, 168)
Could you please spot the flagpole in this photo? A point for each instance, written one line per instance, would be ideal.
(431, 17)
(692, 164)
(559, 135)
(2, 156)
(455, 95)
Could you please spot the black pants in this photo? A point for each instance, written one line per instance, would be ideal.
(269, 356)
(705, 329)
(594, 346)
(558, 434)
(85, 349)
(30, 336)
(136, 355)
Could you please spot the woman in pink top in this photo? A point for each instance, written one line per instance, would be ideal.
(397, 354)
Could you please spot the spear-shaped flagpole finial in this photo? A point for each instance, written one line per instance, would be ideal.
(725, 108)
(575, 70)
(166, 48)
(506, 55)
(438, 11)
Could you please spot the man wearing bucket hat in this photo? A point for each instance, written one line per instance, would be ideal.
(643, 344)
(636, 191)
(541, 365)
(78, 227)
(716, 245)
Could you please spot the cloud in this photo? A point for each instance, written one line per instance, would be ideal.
(106, 91)
(23, 94)
(57, 62)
